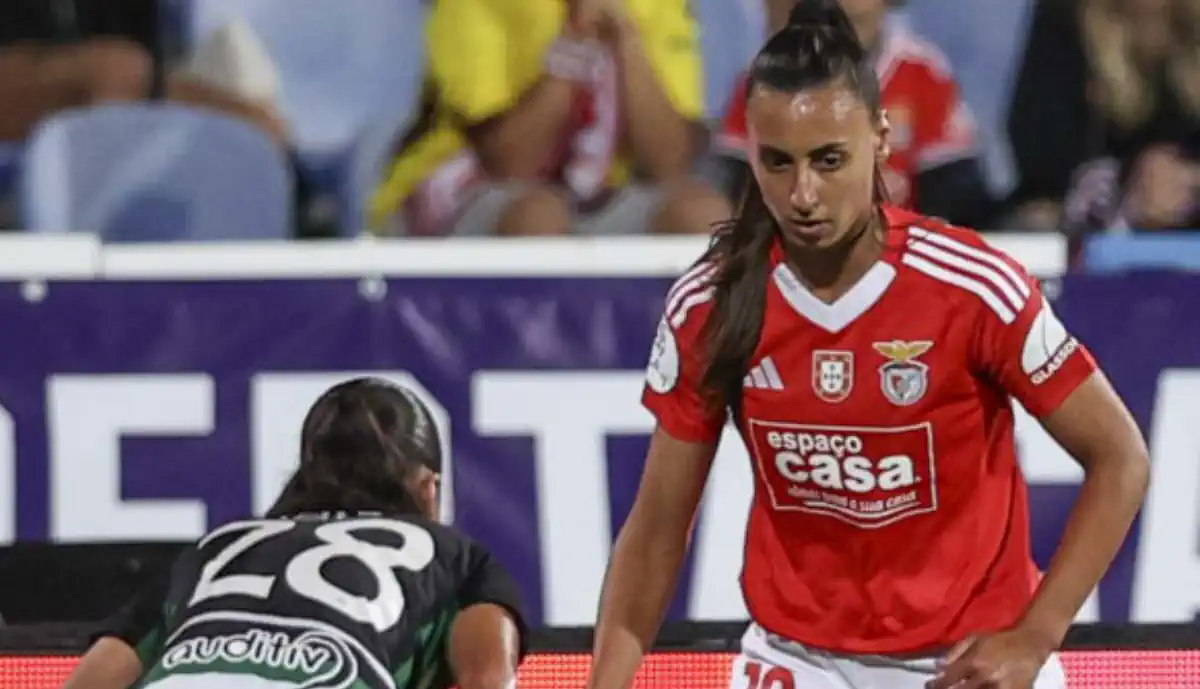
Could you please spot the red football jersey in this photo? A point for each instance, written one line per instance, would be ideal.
(889, 513)
(931, 124)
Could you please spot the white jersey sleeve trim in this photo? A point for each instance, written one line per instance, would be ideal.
(988, 257)
(980, 272)
(689, 291)
(979, 289)
(1046, 338)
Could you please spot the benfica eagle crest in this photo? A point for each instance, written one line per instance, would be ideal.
(903, 379)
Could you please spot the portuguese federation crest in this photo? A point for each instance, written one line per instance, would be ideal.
(833, 374)
(903, 379)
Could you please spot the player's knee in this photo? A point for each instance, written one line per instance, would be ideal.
(690, 207)
(540, 211)
(114, 69)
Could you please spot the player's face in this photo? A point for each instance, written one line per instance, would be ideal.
(813, 154)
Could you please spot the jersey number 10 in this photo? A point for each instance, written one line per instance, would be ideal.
(303, 571)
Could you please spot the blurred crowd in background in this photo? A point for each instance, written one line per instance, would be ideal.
(312, 118)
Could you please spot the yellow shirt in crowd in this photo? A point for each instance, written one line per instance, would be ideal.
(483, 54)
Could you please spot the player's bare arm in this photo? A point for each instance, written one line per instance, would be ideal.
(647, 557)
(484, 648)
(109, 664)
(1096, 428)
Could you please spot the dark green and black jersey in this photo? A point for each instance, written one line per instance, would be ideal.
(346, 601)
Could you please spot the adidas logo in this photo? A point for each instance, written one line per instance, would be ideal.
(764, 376)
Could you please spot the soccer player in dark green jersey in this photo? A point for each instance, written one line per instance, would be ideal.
(349, 582)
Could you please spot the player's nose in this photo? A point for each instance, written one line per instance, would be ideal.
(804, 197)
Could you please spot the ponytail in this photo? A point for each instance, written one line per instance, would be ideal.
(827, 17)
(742, 252)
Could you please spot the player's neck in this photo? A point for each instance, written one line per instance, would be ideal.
(831, 272)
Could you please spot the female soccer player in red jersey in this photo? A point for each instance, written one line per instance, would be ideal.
(869, 358)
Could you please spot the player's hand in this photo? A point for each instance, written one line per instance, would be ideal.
(1010, 659)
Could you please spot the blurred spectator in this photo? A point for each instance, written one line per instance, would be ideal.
(934, 164)
(1105, 122)
(57, 54)
(552, 116)
(984, 41)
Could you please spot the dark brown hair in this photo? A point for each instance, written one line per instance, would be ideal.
(361, 445)
(818, 46)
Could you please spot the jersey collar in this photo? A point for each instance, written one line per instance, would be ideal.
(838, 315)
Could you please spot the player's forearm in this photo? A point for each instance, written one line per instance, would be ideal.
(486, 671)
(637, 589)
(484, 647)
(498, 680)
(109, 664)
(1109, 500)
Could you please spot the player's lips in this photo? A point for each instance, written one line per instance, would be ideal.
(810, 230)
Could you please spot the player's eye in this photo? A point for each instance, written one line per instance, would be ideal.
(774, 160)
(829, 160)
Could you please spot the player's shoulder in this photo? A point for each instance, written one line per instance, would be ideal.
(685, 310)
(962, 264)
(445, 536)
(905, 49)
(690, 297)
(924, 225)
(453, 545)
(456, 555)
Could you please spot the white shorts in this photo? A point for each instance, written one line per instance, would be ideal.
(771, 662)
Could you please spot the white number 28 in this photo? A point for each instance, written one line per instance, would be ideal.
(303, 572)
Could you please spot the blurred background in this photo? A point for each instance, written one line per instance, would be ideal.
(476, 117)
(212, 209)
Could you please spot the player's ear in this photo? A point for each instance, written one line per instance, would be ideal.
(883, 133)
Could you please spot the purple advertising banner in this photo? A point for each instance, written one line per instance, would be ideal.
(154, 410)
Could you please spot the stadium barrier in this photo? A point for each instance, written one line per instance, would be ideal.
(698, 656)
(81, 256)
